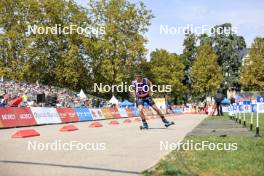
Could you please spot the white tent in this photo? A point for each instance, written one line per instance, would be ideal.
(82, 94)
(113, 100)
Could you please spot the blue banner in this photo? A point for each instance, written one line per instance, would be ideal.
(253, 107)
(135, 111)
(260, 99)
(234, 106)
(177, 110)
(246, 102)
(83, 114)
(241, 108)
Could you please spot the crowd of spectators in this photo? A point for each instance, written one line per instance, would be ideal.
(24, 94)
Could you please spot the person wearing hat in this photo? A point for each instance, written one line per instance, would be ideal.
(142, 94)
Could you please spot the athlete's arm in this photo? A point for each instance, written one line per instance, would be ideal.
(132, 90)
(151, 92)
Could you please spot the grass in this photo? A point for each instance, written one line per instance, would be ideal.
(248, 121)
(248, 159)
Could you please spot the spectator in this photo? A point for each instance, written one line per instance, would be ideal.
(9, 90)
(218, 99)
(232, 100)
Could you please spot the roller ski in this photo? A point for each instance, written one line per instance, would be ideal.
(144, 126)
(168, 123)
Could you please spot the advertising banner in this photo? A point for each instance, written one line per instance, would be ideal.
(115, 113)
(67, 115)
(260, 104)
(247, 108)
(177, 110)
(129, 112)
(161, 103)
(97, 114)
(1, 124)
(135, 111)
(122, 112)
(83, 114)
(253, 107)
(107, 113)
(241, 108)
(12, 117)
(44, 115)
(260, 108)
(235, 107)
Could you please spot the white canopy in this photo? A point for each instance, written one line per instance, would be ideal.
(82, 94)
(113, 100)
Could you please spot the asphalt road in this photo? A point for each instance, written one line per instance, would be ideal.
(110, 150)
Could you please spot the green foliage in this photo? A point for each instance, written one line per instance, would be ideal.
(78, 61)
(188, 57)
(167, 69)
(121, 48)
(204, 39)
(72, 60)
(206, 73)
(48, 58)
(189, 50)
(228, 46)
(252, 77)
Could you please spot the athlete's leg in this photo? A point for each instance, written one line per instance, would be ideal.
(141, 113)
(140, 109)
(164, 120)
(160, 113)
(157, 110)
(151, 103)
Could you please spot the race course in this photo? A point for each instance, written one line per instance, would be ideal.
(128, 150)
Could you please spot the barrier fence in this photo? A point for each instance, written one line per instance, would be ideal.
(254, 107)
(30, 116)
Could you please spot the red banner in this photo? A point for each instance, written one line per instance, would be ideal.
(15, 102)
(115, 113)
(12, 117)
(1, 124)
(129, 112)
(67, 115)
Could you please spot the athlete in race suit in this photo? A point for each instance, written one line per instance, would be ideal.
(142, 94)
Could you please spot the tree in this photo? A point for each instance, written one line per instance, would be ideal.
(188, 56)
(107, 55)
(70, 71)
(121, 48)
(204, 39)
(252, 77)
(31, 57)
(206, 73)
(228, 46)
(167, 69)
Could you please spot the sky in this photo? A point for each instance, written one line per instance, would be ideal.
(246, 16)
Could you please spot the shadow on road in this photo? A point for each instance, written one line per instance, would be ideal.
(69, 166)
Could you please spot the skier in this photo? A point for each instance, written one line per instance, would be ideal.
(142, 94)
